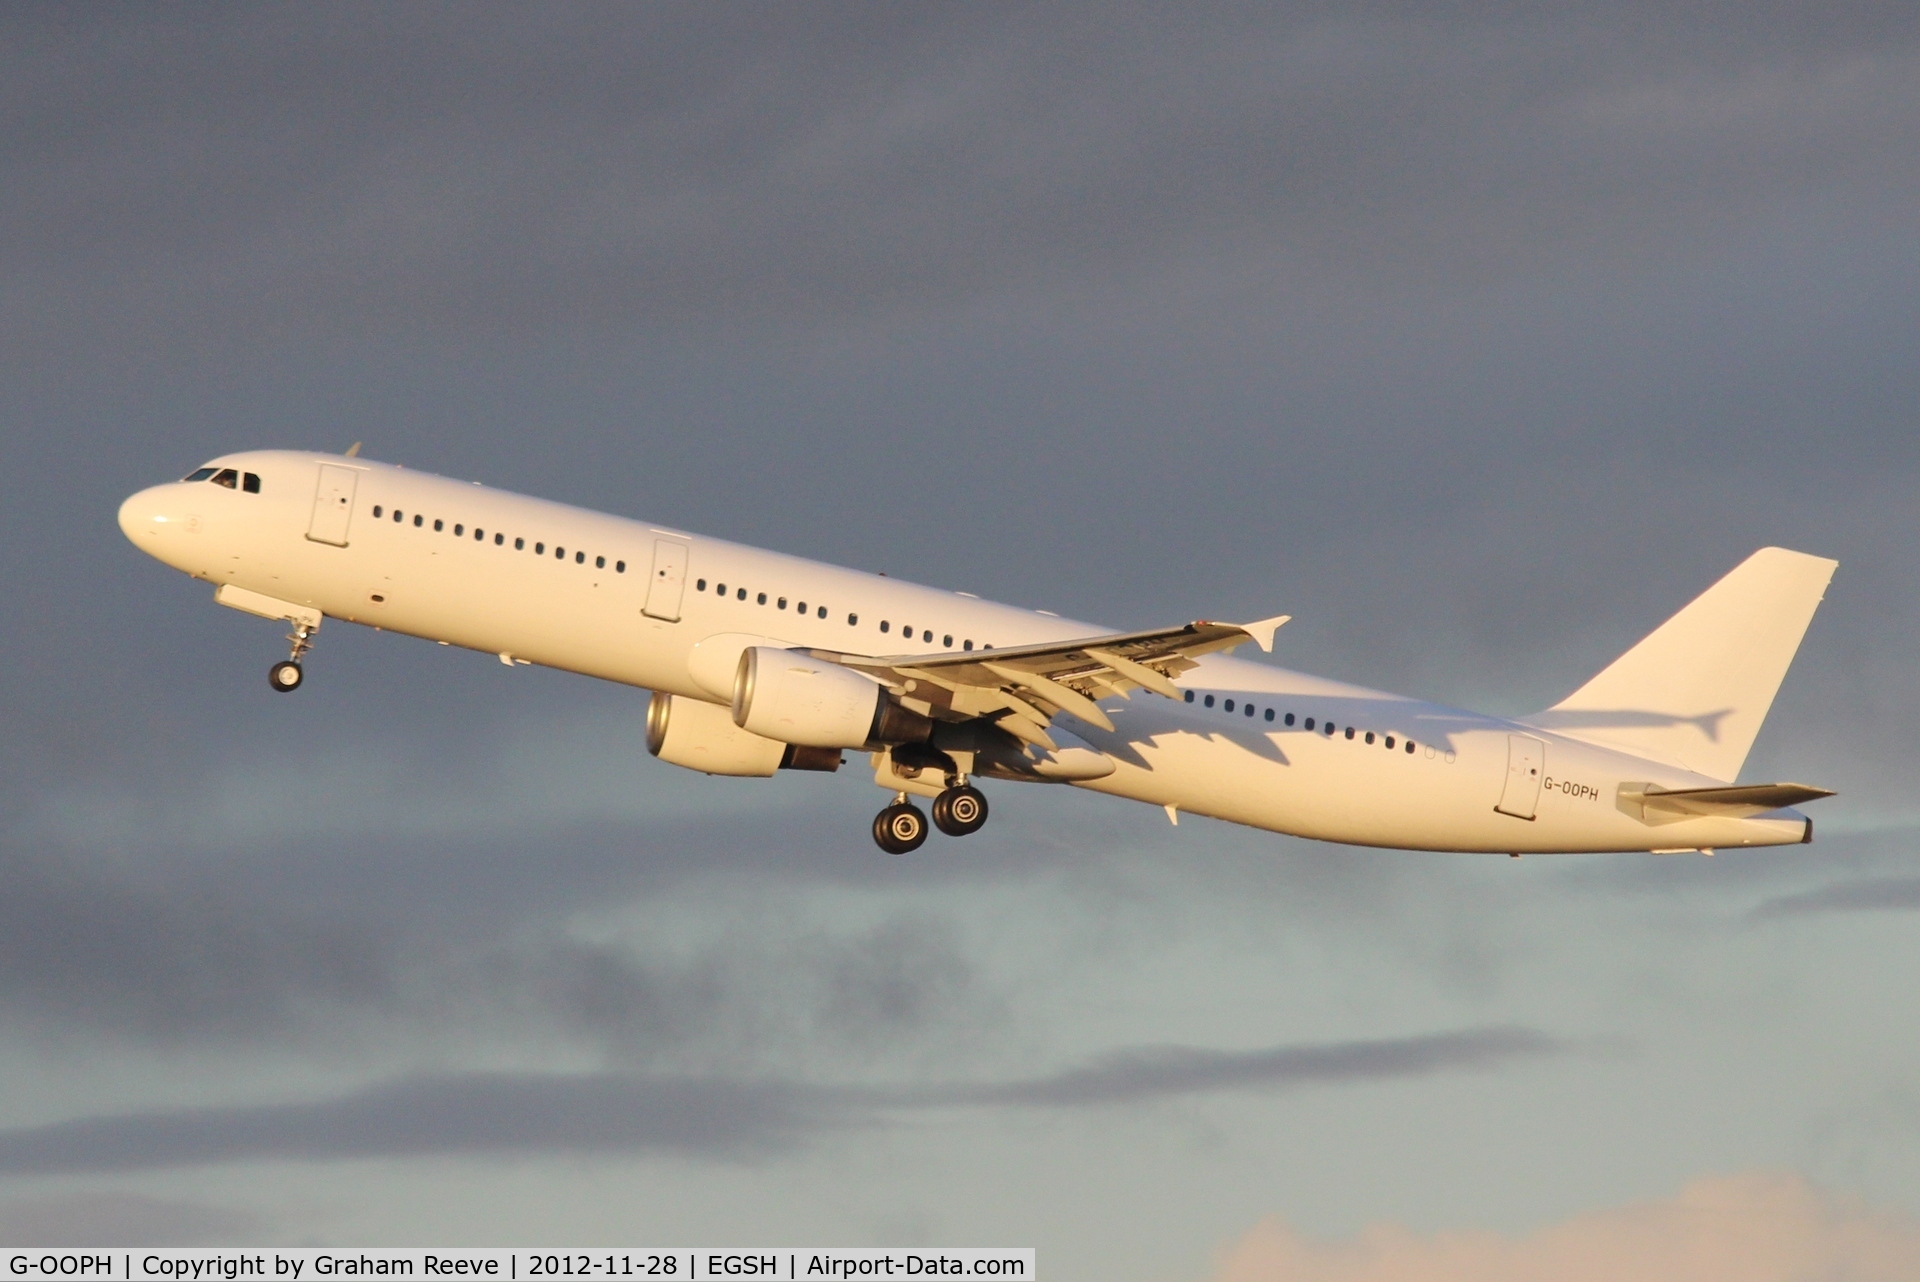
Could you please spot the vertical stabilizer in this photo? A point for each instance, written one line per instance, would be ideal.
(1694, 693)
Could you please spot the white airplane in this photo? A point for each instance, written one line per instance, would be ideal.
(759, 661)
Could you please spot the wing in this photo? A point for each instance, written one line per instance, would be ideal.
(1023, 688)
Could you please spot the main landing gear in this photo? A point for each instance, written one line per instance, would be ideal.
(900, 827)
(286, 675)
(958, 811)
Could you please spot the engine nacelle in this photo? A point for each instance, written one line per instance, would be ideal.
(786, 695)
(701, 736)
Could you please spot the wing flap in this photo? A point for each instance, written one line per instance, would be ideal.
(1032, 684)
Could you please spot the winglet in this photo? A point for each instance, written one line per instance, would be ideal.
(1262, 630)
(353, 451)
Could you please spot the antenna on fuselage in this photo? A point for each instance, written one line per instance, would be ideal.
(353, 450)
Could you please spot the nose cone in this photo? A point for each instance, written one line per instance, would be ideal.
(154, 519)
(142, 514)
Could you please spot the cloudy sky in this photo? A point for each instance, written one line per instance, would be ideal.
(1478, 337)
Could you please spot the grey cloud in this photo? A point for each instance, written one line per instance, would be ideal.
(1877, 894)
(171, 962)
(1158, 1072)
(586, 168)
(477, 1113)
(122, 1219)
(501, 1114)
(301, 941)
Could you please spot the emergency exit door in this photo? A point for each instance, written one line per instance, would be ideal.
(1526, 766)
(669, 580)
(333, 505)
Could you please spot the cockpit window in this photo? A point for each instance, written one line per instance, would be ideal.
(202, 474)
(250, 482)
(227, 477)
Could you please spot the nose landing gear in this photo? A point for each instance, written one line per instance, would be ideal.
(286, 675)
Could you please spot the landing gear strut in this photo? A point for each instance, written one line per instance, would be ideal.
(286, 675)
(901, 827)
(960, 810)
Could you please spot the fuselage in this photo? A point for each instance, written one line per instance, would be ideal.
(625, 601)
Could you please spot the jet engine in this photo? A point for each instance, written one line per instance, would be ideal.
(701, 736)
(787, 695)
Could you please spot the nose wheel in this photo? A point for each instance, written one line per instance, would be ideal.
(286, 675)
(900, 828)
(960, 811)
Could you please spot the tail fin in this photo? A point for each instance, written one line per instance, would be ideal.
(1693, 694)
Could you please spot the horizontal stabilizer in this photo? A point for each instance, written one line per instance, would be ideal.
(1694, 692)
(1736, 801)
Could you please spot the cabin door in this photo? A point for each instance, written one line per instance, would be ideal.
(669, 580)
(1526, 765)
(333, 505)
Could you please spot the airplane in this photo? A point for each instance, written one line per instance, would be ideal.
(759, 661)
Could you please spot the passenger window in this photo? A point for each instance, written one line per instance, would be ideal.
(418, 520)
(1329, 728)
(1250, 712)
(1290, 721)
(741, 594)
(947, 642)
(823, 612)
(599, 562)
(200, 474)
(884, 625)
(966, 645)
(539, 549)
(1409, 745)
(800, 607)
(459, 530)
(1269, 714)
(1309, 721)
(719, 589)
(1389, 743)
(559, 553)
(250, 482)
(1228, 705)
(480, 535)
(1369, 735)
(1349, 732)
(519, 545)
(227, 477)
(438, 525)
(619, 567)
(398, 516)
(781, 603)
(760, 599)
(1208, 701)
(376, 511)
(580, 558)
(700, 585)
(1189, 696)
(927, 636)
(853, 620)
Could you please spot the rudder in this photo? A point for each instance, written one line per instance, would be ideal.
(1695, 691)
